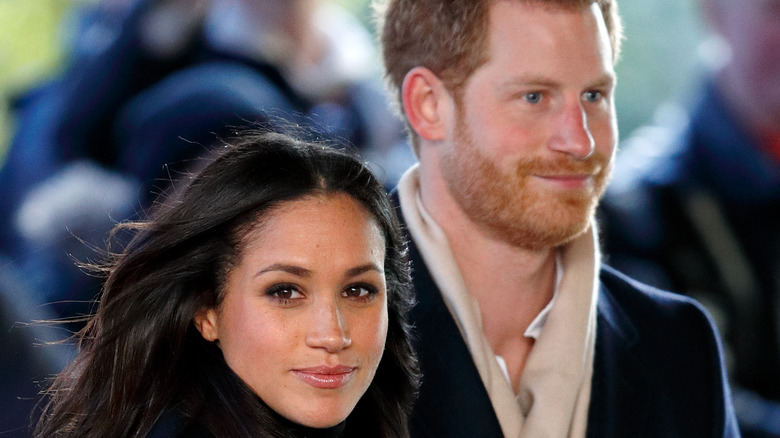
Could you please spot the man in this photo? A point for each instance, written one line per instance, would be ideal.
(521, 331)
(695, 204)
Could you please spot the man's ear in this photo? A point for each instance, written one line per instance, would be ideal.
(206, 322)
(424, 98)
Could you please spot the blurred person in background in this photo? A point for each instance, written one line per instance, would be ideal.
(149, 86)
(695, 203)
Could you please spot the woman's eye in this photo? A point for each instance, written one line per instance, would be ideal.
(534, 97)
(284, 292)
(360, 291)
(593, 96)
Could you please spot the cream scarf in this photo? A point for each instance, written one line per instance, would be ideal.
(556, 382)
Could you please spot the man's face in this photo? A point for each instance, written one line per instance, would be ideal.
(535, 132)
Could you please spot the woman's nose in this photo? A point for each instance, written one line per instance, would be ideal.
(327, 328)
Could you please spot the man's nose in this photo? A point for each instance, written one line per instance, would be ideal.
(571, 133)
(327, 328)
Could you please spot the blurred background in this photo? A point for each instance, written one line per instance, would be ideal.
(64, 202)
(661, 57)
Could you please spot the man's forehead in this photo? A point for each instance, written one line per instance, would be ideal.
(558, 5)
(553, 40)
(552, 4)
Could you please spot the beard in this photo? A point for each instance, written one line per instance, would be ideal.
(506, 207)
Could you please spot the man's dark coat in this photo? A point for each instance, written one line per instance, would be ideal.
(657, 371)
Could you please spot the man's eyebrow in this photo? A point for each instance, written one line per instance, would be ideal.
(291, 269)
(605, 80)
(526, 81)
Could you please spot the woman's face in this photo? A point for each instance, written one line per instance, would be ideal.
(304, 316)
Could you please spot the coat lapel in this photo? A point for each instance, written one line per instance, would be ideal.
(452, 401)
(618, 406)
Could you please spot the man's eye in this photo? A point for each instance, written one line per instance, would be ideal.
(592, 96)
(534, 97)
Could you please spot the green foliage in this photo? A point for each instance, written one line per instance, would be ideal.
(30, 50)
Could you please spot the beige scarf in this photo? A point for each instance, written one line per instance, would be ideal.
(555, 386)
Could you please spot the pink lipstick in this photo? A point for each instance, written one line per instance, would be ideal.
(326, 377)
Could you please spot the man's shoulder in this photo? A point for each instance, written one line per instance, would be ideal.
(658, 365)
(629, 289)
(659, 328)
(645, 305)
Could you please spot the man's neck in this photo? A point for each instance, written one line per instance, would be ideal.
(511, 284)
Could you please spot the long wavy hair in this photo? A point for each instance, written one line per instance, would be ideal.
(140, 355)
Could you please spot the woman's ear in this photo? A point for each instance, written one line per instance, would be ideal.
(423, 95)
(206, 322)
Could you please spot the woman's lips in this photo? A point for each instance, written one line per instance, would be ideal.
(326, 377)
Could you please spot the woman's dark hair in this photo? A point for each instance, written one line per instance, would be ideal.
(141, 357)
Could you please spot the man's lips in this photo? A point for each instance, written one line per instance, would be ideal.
(570, 181)
(326, 377)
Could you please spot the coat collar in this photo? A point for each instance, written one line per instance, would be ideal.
(451, 382)
(453, 401)
(618, 406)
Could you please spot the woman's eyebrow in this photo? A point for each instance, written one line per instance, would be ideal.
(291, 269)
(303, 272)
(354, 272)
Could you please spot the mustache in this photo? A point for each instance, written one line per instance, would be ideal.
(595, 164)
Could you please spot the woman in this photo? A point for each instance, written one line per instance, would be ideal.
(268, 299)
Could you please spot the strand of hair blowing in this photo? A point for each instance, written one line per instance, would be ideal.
(131, 360)
(140, 352)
